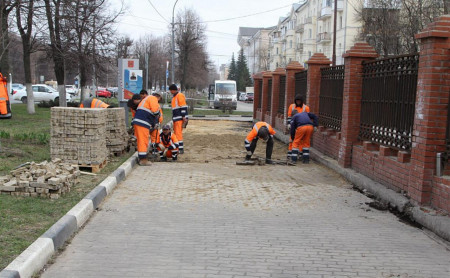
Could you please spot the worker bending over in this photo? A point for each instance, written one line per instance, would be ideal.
(133, 104)
(261, 130)
(94, 103)
(179, 114)
(302, 127)
(167, 144)
(146, 118)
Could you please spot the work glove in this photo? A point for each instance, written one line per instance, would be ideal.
(161, 147)
(157, 126)
(165, 152)
(185, 122)
(315, 128)
(289, 126)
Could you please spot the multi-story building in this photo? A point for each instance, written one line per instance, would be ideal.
(255, 43)
(308, 28)
(223, 72)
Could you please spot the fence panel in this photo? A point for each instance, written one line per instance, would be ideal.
(282, 95)
(269, 96)
(388, 101)
(259, 93)
(301, 85)
(331, 91)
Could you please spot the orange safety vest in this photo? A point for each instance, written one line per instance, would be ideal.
(254, 133)
(293, 107)
(94, 103)
(5, 108)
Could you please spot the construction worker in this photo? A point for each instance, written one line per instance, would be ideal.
(133, 104)
(94, 103)
(154, 133)
(261, 130)
(5, 108)
(146, 118)
(297, 107)
(179, 114)
(143, 93)
(302, 126)
(167, 144)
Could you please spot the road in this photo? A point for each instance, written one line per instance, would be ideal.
(244, 106)
(206, 217)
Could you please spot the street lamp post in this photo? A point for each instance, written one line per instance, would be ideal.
(173, 42)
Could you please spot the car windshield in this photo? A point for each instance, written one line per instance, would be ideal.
(225, 89)
(250, 94)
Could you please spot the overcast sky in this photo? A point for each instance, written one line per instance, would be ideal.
(141, 18)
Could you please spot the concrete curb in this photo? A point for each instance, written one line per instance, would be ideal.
(40, 251)
(440, 225)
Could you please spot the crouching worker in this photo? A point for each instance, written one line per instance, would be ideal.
(94, 103)
(302, 128)
(146, 118)
(167, 144)
(263, 131)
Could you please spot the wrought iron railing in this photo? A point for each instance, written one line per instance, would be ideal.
(330, 100)
(388, 101)
(301, 85)
(259, 93)
(282, 95)
(269, 96)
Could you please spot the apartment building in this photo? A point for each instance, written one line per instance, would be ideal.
(308, 28)
(255, 43)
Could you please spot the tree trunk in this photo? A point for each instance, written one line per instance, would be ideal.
(62, 95)
(30, 99)
(82, 69)
(27, 68)
(4, 52)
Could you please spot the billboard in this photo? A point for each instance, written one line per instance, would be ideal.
(129, 77)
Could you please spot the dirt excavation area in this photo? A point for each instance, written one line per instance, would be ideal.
(222, 142)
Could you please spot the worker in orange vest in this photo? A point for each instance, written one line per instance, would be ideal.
(297, 107)
(146, 118)
(5, 108)
(167, 144)
(133, 104)
(179, 114)
(261, 130)
(94, 103)
(302, 128)
(154, 133)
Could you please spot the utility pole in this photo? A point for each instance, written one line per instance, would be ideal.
(334, 33)
(173, 43)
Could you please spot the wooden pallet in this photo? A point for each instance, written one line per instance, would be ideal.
(94, 168)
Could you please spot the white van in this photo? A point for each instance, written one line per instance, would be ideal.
(223, 95)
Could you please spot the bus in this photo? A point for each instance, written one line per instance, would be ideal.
(223, 95)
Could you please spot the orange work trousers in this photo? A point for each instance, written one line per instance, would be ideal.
(154, 135)
(302, 137)
(178, 130)
(142, 136)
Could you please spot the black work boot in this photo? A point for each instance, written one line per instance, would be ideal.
(269, 161)
(247, 157)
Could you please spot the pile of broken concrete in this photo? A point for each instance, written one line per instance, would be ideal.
(45, 179)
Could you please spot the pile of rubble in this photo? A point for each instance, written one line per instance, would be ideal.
(116, 131)
(46, 179)
(79, 135)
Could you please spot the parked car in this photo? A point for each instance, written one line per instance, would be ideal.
(113, 90)
(102, 92)
(72, 90)
(249, 97)
(41, 92)
(242, 96)
(17, 87)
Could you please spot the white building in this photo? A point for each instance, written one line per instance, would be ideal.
(255, 43)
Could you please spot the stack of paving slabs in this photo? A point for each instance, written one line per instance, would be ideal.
(78, 135)
(46, 179)
(116, 131)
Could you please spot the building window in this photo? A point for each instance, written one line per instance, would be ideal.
(277, 50)
(277, 65)
(290, 44)
(310, 33)
(340, 22)
(290, 60)
(309, 54)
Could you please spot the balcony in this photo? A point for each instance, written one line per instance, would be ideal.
(300, 28)
(299, 47)
(308, 20)
(323, 37)
(328, 11)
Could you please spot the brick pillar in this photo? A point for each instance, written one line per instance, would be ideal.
(317, 61)
(265, 91)
(276, 75)
(291, 69)
(431, 114)
(351, 106)
(256, 95)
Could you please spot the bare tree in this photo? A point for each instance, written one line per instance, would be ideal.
(123, 46)
(6, 7)
(263, 58)
(190, 41)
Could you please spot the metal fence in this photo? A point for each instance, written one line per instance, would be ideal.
(388, 101)
(282, 95)
(331, 91)
(269, 96)
(259, 93)
(301, 85)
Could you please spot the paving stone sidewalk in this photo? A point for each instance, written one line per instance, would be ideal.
(223, 220)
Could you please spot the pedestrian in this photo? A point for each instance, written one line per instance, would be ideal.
(297, 107)
(167, 144)
(263, 131)
(146, 118)
(179, 114)
(94, 103)
(302, 127)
